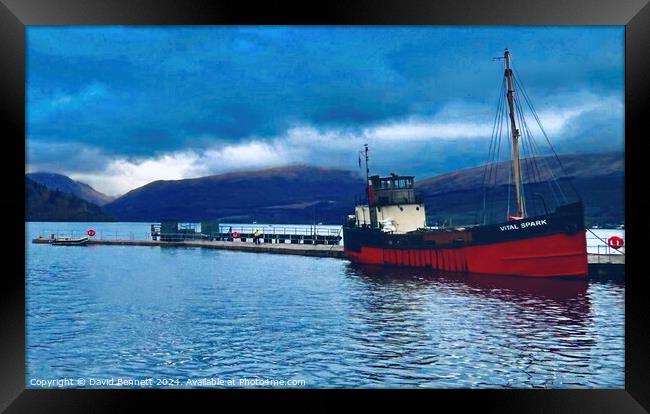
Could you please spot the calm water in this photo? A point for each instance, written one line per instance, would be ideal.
(170, 314)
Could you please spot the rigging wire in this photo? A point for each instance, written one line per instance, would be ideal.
(535, 170)
(534, 165)
(497, 156)
(539, 123)
(519, 116)
(489, 166)
(510, 167)
(553, 179)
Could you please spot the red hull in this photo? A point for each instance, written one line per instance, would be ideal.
(556, 255)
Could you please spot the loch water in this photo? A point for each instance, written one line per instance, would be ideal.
(184, 317)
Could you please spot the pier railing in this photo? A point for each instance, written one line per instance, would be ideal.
(276, 230)
(100, 234)
(604, 250)
(597, 245)
(244, 233)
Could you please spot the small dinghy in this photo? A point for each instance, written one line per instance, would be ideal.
(70, 241)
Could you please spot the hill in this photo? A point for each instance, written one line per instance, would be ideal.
(67, 185)
(574, 165)
(43, 204)
(297, 194)
(598, 179)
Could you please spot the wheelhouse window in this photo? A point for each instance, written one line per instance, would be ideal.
(393, 182)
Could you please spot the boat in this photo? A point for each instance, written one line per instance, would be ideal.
(69, 241)
(390, 229)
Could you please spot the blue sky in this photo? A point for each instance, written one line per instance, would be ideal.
(118, 107)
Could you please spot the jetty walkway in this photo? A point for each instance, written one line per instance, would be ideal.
(317, 250)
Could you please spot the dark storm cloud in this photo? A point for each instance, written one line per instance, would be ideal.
(130, 92)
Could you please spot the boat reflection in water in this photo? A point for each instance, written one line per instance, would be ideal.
(507, 288)
(538, 300)
(451, 330)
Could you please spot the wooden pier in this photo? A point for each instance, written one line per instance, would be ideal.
(606, 266)
(316, 250)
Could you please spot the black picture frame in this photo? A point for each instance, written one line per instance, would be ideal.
(16, 14)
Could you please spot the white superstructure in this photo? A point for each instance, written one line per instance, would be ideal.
(393, 206)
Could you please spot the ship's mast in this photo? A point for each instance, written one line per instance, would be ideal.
(370, 193)
(367, 174)
(521, 206)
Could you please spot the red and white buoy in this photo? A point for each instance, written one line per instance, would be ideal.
(615, 242)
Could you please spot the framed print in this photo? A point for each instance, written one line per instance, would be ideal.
(375, 198)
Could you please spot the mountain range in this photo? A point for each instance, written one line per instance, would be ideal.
(305, 194)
